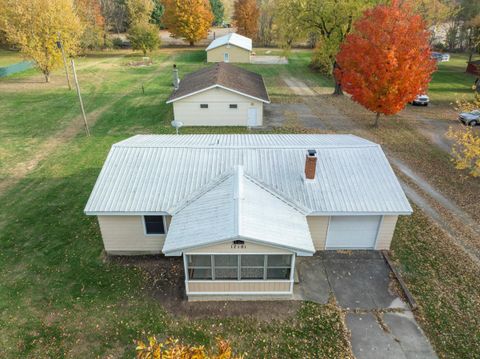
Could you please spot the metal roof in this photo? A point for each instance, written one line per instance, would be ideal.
(231, 39)
(155, 173)
(234, 207)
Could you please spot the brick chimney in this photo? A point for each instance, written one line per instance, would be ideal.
(176, 80)
(310, 164)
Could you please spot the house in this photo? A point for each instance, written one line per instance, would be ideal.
(239, 209)
(219, 95)
(230, 48)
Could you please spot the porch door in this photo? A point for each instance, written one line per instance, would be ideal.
(226, 57)
(252, 117)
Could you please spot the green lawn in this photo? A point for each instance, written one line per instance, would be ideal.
(9, 57)
(445, 283)
(58, 297)
(450, 82)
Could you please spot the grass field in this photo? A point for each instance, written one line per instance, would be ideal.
(450, 82)
(60, 298)
(9, 57)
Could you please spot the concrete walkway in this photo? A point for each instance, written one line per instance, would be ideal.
(381, 323)
(269, 60)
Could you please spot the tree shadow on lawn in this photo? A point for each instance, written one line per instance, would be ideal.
(165, 282)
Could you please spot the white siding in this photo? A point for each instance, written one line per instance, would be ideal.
(248, 248)
(218, 113)
(236, 54)
(385, 232)
(126, 235)
(318, 230)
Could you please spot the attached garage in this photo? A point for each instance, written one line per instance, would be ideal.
(353, 232)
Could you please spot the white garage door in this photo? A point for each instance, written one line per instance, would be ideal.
(352, 232)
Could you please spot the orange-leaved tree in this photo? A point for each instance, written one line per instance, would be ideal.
(173, 349)
(386, 61)
(190, 19)
(245, 17)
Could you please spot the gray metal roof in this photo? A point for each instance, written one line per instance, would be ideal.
(237, 207)
(155, 173)
(231, 39)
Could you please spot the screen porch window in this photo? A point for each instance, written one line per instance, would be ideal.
(200, 267)
(154, 224)
(239, 267)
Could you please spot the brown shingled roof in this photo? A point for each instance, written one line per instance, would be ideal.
(222, 74)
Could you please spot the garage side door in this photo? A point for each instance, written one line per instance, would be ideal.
(352, 232)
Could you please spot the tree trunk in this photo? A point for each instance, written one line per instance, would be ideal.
(377, 116)
(192, 43)
(338, 88)
(47, 77)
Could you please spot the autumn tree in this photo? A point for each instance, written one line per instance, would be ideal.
(218, 11)
(386, 61)
(466, 143)
(188, 19)
(139, 11)
(90, 14)
(245, 17)
(326, 21)
(115, 14)
(35, 25)
(143, 36)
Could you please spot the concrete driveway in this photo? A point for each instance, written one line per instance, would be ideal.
(269, 60)
(381, 323)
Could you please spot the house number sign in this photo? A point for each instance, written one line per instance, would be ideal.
(238, 245)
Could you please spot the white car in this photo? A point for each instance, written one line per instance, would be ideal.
(422, 100)
(471, 118)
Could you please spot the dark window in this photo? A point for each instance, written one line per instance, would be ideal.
(200, 267)
(203, 105)
(226, 267)
(154, 225)
(233, 105)
(278, 266)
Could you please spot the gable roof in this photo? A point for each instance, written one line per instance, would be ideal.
(237, 207)
(226, 76)
(156, 173)
(231, 39)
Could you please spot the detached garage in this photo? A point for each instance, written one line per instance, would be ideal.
(220, 95)
(230, 48)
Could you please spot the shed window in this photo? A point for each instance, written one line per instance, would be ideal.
(154, 224)
(233, 105)
(204, 105)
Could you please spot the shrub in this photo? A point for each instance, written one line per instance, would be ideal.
(172, 349)
(143, 36)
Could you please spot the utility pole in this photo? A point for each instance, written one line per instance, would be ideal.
(60, 46)
(87, 130)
